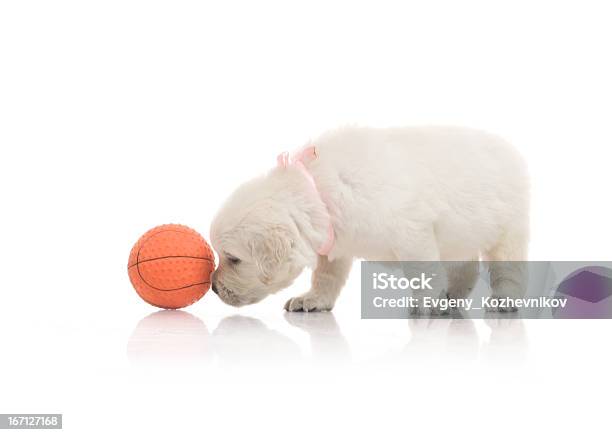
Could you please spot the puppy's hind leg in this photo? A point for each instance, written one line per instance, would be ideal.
(418, 251)
(327, 280)
(462, 277)
(507, 266)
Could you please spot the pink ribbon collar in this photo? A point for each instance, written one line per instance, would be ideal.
(298, 160)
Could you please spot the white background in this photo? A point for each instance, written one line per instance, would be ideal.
(116, 116)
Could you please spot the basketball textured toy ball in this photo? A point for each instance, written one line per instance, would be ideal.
(170, 266)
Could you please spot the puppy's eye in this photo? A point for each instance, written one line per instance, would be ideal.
(233, 260)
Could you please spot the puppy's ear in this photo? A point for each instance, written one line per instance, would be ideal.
(270, 249)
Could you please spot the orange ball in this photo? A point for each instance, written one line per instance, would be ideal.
(170, 266)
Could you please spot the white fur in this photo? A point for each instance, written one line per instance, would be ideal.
(428, 193)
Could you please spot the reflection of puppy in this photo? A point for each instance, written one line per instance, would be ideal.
(237, 338)
(389, 194)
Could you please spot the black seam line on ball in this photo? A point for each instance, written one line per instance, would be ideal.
(144, 242)
(170, 256)
(175, 289)
(146, 282)
(168, 289)
(166, 231)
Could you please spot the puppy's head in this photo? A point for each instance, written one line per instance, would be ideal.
(259, 248)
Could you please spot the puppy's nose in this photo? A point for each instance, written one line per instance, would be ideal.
(214, 288)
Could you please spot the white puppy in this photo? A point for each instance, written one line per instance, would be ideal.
(430, 193)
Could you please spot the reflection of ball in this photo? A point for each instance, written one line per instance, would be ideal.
(171, 337)
(170, 266)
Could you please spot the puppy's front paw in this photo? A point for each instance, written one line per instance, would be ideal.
(308, 302)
